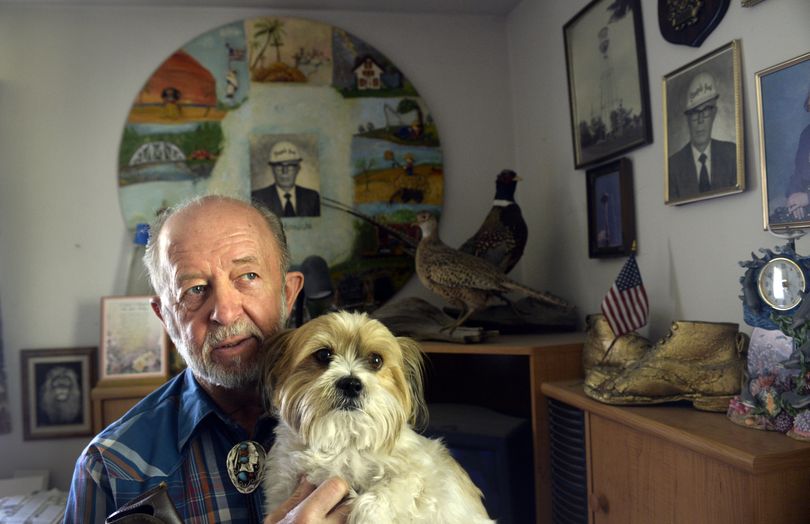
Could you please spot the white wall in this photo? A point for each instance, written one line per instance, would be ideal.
(687, 254)
(497, 88)
(68, 77)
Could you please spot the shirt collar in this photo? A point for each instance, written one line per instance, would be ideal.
(196, 405)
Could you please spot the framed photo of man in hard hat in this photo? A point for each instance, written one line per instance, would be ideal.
(285, 174)
(703, 140)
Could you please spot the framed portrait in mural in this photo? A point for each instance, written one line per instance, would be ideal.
(305, 118)
(134, 347)
(703, 125)
(609, 96)
(611, 210)
(56, 386)
(783, 104)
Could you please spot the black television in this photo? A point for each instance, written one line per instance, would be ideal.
(496, 451)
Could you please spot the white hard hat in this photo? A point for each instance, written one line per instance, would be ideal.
(702, 89)
(284, 152)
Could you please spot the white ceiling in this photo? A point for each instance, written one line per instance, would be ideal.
(480, 7)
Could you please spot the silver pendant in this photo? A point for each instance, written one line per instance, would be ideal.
(245, 463)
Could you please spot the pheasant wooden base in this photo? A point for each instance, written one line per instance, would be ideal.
(417, 318)
(527, 315)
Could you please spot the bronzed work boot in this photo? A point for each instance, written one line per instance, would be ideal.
(701, 362)
(604, 355)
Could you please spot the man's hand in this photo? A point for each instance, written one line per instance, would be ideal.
(796, 203)
(313, 505)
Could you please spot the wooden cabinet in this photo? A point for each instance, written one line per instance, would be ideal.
(677, 464)
(505, 374)
(110, 402)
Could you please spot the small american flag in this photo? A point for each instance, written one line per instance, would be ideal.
(625, 306)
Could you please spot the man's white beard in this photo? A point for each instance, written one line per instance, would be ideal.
(238, 374)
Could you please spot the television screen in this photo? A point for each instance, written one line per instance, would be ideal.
(496, 451)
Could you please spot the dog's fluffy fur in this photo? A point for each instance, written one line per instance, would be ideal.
(347, 392)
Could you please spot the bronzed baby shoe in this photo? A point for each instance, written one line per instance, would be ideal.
(604, 355)
(702, 362)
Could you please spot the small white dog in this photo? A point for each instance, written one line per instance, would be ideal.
(345, 390)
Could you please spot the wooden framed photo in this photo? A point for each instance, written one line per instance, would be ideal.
(783, 104)
(611, 210)
(56, 387)
(607, 80)
(134, 345)
(703, 141)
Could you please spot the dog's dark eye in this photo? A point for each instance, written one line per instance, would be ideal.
(323, 355)
(375, 360)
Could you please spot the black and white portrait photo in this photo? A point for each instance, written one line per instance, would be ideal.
(703, 122)
(284, 174)
(56, 392)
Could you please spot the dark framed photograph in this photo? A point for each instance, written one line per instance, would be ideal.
(611, 210)
(703, 125)
(783, 104)
(56, 387)
(134, 346)
(607, 80)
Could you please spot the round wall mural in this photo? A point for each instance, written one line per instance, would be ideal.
(306, 118)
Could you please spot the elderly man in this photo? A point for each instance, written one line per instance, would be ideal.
(704, 164)
(219, 267)
(285, 198)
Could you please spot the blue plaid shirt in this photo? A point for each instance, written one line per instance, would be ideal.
(177, 435)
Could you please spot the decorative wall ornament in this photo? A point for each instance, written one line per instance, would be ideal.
(690, 22)
(242, 106)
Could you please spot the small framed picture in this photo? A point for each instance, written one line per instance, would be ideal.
(134, 345)
(783, 103)
(703, 141)
(608, 90)
(56, 387)
(611, 210)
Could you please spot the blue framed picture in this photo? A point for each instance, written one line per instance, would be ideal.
(611, 210)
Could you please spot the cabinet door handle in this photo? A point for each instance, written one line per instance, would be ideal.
(598, 503)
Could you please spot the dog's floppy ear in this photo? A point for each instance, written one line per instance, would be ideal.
(274, 357)
(413, 364)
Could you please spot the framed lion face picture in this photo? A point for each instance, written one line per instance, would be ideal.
(56, 386)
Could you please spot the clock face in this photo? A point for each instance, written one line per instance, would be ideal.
(781, 283)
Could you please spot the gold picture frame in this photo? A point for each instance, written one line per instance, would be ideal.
(702, 102)
(784, 143)
(133, 346)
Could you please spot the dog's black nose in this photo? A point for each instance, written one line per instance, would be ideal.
(350, 386)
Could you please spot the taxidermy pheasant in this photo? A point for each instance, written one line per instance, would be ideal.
(466, 281)
(502, 236)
